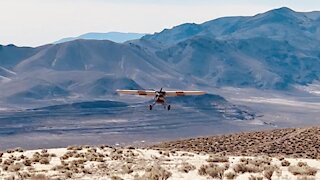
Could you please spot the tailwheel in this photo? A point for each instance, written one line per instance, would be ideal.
(150, 107)
(169, 107)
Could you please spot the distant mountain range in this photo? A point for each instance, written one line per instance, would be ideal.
(273, 50)
(117, 37)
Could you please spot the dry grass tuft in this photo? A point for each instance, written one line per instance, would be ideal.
(186, 167)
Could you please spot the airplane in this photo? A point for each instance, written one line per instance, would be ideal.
(160, 96)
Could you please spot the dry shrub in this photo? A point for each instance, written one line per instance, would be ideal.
(43, 151)
(187, 154)
(230, 175)
(68, 174)
(5, 167)
(9, 151)
(252, 177)
(12, 177)
(127, 168)
(57, 168)
(281, 158)
(24, 175)
(15, 167)
(103, 166)
(166, 153)
(285, 163)
(186, 167)
(156, 172)
(87, 171)
(39, 177)
(306, 178)
(301, 164)
(1, 154)
(44, 160)
(217, 158)
(250, 168)
(212, 170)
(119, 151)
(19, 149)
(75, 148)
(268, 173)
(262, 161)
(13, 158)
(27, 162)
(303, 170)
(8, 162)
(53, 155)
(116, 178)
(115, 156)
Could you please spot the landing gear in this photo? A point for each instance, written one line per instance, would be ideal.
(150, 107)
(169, 107)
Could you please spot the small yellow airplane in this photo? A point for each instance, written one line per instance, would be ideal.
(160, 96)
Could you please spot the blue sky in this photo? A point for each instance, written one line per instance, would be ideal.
(37, 22)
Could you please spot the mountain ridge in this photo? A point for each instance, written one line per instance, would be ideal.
(277, 49)
(118, 37)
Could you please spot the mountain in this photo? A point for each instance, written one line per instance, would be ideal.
(272, 50)
(68, 90)
(278, 24)
(118, 37)
(277, 49)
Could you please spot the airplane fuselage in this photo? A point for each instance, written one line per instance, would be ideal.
(160, 99)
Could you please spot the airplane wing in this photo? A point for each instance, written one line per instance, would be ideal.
(184, 93)
(137, 92)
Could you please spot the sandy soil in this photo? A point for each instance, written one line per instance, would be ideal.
(237, 156)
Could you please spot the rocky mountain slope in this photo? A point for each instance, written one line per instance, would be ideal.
(277, 49)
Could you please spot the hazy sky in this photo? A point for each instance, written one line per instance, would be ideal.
(37, 22)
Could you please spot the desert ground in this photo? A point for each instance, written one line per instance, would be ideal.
(275, 154)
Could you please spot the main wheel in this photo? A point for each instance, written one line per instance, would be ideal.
(169, 107)
(150, 107)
